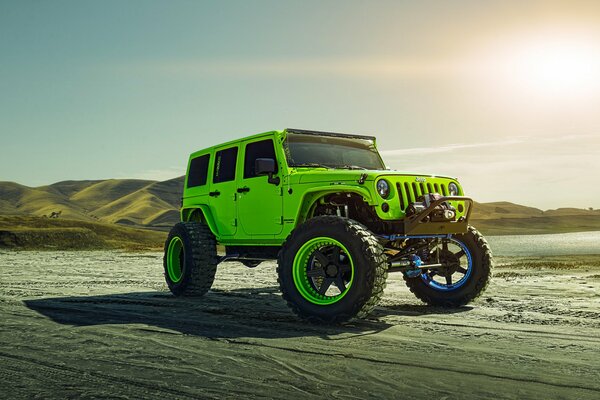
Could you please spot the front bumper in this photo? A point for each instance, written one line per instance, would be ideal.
(419, 224)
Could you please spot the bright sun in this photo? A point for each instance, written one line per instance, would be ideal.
(559, 66)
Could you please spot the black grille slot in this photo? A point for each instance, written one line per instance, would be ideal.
(423, 189)
(409, 194)
(430, 188)
(444, 191)
(402, 196)
(436, 187)
(416, 190)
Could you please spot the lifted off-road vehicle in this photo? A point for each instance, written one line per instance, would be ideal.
(336, 220)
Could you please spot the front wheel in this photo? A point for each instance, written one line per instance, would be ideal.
(331, 269)
(465, 271)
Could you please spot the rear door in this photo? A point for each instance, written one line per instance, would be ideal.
(260, 204)
(223, 187)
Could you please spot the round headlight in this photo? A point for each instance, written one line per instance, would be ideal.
(383, 188)
(453, 189)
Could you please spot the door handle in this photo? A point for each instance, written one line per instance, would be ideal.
(243, 189)
(214, 194)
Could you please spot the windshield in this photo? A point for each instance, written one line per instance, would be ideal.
(304, 150)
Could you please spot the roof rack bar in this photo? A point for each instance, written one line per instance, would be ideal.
(318, 133)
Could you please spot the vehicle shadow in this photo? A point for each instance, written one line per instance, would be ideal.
(257, 312)
(418, 309)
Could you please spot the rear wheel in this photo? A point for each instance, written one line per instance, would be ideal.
(466, 265)
(331, 269)
(190, 260)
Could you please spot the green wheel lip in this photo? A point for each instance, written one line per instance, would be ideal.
(299, 271)
(174, 252)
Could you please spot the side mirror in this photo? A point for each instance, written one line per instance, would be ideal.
(266, 166)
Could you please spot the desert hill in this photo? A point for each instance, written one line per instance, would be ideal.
(28, 232)
(153, 204)
(504, 209)
(133, 202)
(504, 218)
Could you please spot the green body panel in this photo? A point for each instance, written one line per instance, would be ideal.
(259, 210)
(267, 213)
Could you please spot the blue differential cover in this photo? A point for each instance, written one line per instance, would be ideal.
(416, 262)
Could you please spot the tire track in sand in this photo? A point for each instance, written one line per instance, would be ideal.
(416, 365)
(100, 379)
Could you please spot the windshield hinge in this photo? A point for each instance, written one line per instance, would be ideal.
(362, 179)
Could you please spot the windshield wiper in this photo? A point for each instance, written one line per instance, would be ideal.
(345, 166)
(317, 165)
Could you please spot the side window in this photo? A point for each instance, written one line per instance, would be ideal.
(262, 149)
(198, 171)
(225, 165)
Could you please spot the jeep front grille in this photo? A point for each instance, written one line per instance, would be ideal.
(409, 192)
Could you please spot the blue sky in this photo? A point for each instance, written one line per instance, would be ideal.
(502, 94)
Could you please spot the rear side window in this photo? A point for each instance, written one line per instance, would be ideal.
(262, 149)
(198, 171)
(225, 165)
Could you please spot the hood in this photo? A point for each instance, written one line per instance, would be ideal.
(314, 175)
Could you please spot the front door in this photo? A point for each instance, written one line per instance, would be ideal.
(260, 203)
(223, 192)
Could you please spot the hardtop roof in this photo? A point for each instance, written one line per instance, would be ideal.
(287, 130)
(231, 142)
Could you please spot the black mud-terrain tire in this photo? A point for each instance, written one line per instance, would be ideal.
(198, 259)
(472, 288)
(369, 273)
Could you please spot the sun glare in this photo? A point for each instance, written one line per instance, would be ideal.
(548, 65)
(561, 68)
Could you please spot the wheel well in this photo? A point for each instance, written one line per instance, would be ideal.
(199, 215)
(349, 205)
(196, 215)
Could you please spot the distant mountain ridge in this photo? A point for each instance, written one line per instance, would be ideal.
(155, 204)
(505, 209)
(135, 202)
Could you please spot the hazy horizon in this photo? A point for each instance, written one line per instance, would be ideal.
(503, 95)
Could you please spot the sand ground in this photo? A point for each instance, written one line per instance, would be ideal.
(101, 324)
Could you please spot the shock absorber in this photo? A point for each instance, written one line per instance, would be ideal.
(411, 266)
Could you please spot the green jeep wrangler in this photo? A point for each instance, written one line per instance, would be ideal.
(336, 220)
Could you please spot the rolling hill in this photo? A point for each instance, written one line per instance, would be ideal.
(29, 232)
(151, 204)
(132, 202)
